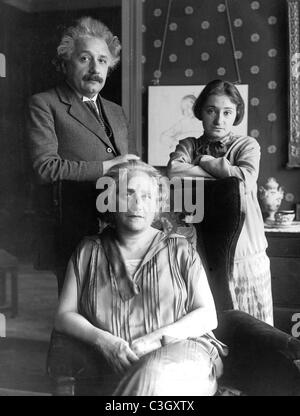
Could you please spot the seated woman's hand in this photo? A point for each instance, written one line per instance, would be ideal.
(144, 345)
(117, 353)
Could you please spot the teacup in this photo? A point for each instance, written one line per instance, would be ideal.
(284, 217)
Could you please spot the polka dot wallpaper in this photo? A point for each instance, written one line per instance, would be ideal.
(198, 49)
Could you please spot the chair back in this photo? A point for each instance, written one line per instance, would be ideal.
(219, 229)
(218, 233)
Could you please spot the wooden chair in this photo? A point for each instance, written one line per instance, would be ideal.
(262, 360)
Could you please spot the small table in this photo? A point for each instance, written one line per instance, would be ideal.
(8, 268)
(284, 253)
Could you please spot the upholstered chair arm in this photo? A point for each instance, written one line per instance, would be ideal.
(263, 360)
(69, 361)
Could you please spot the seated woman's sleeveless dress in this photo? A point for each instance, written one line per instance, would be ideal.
(160, 291)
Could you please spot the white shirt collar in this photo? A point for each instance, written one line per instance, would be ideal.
(89, 99)
(82, 97)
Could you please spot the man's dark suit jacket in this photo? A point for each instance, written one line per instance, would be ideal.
(67, 147)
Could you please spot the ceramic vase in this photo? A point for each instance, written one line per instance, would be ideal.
(271, 196)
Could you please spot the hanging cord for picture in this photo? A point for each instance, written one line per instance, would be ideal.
(157, 77)
(239, 81)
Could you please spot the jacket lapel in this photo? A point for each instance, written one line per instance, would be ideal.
(79, 111)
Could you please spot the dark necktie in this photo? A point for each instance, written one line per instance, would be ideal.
(214, 148)
(98, 114)
(93, 107)
(217, 148)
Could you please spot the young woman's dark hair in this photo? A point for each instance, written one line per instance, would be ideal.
(219, 87)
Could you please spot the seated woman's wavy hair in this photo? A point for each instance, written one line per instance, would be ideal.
(119, 172)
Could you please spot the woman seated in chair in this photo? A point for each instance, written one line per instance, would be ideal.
(141, 298)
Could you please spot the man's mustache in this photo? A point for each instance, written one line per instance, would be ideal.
(93, 77)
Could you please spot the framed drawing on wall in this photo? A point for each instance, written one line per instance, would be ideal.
(294, 84)
(171, 118)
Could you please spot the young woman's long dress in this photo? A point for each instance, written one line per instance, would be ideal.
(237, 156)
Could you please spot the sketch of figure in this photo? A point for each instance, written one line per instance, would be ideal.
(187, 126)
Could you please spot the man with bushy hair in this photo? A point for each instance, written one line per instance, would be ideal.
(75, 135)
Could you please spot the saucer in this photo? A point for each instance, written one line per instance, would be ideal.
(276, 225)
(291, 224)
